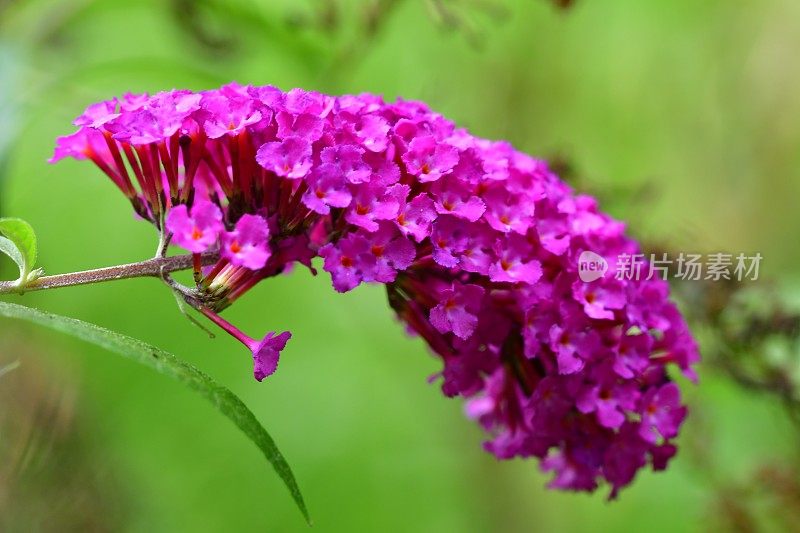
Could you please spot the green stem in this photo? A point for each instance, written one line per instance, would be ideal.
(154, 268)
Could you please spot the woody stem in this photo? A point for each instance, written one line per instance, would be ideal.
(153, 268)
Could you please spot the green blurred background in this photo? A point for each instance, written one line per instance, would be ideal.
(684, 116)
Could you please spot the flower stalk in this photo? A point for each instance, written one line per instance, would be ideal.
(154, 268)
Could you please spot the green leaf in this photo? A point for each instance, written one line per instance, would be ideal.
(10, 249)
(22, 235)
(166, 363)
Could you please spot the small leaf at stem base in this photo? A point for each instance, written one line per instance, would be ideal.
(10, 249)
(19, 243)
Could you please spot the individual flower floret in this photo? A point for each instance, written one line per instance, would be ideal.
(289, 158)
(266, 352)
(458, 310)
(428, 159)
(247, 245)
(198, 230)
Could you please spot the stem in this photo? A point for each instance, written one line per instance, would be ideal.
(229, 328)
(153, 268)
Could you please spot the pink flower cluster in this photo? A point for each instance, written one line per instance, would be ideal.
(476, 243)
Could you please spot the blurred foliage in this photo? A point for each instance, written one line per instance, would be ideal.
(753, 336)
(167, 364)
(52, 476)
(10, 108)
(681, 116)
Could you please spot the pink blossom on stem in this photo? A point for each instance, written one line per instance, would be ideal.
(248, 244)
(198, 230)
(458, 310)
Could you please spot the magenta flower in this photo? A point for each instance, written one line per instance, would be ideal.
(662, 413)
(99, 114)
(230, 112)
(289, 158)
(158, 119)
(196, 231)
(327, 188)
(372, 204)
(391, 252)
(512, 264)
(416, 216)
(458, 310)
(609, 401)
(569, 474)
(267, 352)
(633, 355)
(346, 158)
(449, 237)
(80, 145)
(428, 159)
(507, 211)
(456, 198)
(628, 454)
(478, 253)
(572, 346)
(303, 126)
(599, 299)
(347, 261)
(477, 246)
(371, 132)
(247, 245)
(302, 113)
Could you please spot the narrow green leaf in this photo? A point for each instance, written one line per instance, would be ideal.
(166, 363)
(22, 235)
(10, 249)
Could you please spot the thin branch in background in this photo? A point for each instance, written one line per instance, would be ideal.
(741, 333)
(324, 16)
(495, 10)
(372, 22)
(328, 16)
(8, 368)
(564, 5)
(376, 15)
(189, 17)
(450, 17)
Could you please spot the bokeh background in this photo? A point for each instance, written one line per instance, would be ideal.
(683, 116)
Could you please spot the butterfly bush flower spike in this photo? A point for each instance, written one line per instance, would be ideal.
(477, 246)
